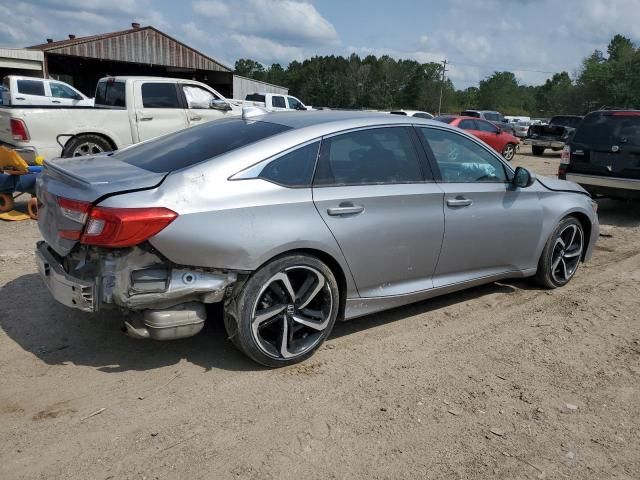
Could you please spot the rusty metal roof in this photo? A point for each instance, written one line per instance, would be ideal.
(146, 45)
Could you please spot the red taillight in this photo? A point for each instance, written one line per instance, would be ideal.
(124, 227)
(562, 170)
(626, 114)
(74, 209)
(19, 130)
(565, 156)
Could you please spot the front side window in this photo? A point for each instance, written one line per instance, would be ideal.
(462, 160)
(368, 157)
(293, 169)
(197, 97)
(294, 103)
(159, 95)
(486, 127)
(278, 102)
(31, 87)
(60, 90)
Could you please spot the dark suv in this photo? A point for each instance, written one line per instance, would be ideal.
(603, 155)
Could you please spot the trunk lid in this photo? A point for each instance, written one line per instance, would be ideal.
(84, 179)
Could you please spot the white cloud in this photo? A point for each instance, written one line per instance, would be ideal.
(211, 8)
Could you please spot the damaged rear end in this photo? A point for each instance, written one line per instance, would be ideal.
(95, 257)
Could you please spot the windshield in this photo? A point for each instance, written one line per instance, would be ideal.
(609, 129)
(493, 117)
(197, 144)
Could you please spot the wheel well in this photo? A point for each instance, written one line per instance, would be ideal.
(101, 135)
(586, 226)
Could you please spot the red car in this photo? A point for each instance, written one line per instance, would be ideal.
(502, 142)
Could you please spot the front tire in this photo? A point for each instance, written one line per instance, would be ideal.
(285, 311)
(509, 151)
(562, 254)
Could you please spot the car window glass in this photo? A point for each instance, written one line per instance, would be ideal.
(423, 115)
(373, 156)
(467, 125)
(31, 87)
(469, 113)
(486, 127)
(462, 160)
(494, 117)
(59, 90)
(278, 102)
(196, 144)
(293, 169)
(608, 130)
(159, 95)
(110, 94)
(197, 97)
(293, 103)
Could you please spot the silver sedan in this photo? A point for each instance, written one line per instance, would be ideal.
(296, 220)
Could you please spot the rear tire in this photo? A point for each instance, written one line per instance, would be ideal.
(285, 311)
(562, 254)
(537, 151)
(6, 202)
(87, 144)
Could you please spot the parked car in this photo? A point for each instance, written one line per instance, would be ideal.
(517, 119)
(502, 142)
(295, 220)
(413, 113)
(603, 156)
(273, 102)
(127, 110)
(553, 135)
(41, 91)
(491, 116)
(522, 128)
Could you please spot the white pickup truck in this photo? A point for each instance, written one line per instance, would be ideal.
(127, 110)
(274, 102)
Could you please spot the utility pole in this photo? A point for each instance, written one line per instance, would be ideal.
(444, 70)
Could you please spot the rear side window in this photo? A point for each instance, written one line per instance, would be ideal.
(110, 94)
(278, 102)
(159, 95)
(609, 129)
(368, 157)
(255, 97)
(31, 87)
(293, 169)
(197, 144)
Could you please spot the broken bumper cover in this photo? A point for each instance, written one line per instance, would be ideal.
(120, 286)
(539, 142)
(66, 289)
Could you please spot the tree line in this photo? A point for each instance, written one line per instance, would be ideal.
(384, 83)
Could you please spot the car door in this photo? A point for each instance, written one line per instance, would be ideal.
(159, 109)
(198, 101)
(278, 103)
(63, 95)
(30, 92)
(491, 226)
(490, 134)
(375, 192)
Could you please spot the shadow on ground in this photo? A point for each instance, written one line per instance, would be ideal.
(619, 213)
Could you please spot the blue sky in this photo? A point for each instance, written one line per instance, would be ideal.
(533, 38)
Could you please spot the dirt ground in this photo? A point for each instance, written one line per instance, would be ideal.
(502, 381)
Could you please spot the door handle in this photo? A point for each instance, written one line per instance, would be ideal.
(19, 98)
(459, 202)
(345, 209)
(145, 118)
(55, 101)
(195, 119)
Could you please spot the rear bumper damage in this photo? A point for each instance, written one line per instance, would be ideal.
(546, 143)
(169, 298)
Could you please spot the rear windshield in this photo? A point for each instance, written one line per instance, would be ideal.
(470, 113)
(613, 129)
(572, 122)
(110, 94)
(255, 97)
(197, 144)
(445, 119)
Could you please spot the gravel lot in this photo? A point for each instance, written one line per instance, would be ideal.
(502, 381)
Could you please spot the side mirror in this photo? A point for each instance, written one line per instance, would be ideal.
(218, 104)
(523, 178)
